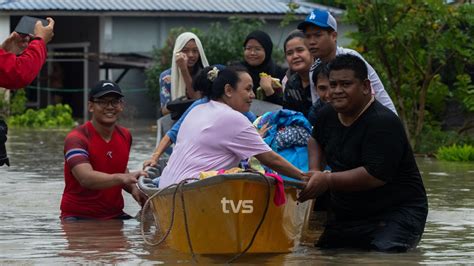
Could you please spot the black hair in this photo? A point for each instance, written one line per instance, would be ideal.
(264, 40)
(328, 29)
(321, 69)
(201, 82)
(352, 62)
(228, 75)
(291, 36)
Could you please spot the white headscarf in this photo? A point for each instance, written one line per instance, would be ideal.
(178, 86)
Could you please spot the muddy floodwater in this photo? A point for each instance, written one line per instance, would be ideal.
(31, 232)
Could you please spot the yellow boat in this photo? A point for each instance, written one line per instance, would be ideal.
(224, 212)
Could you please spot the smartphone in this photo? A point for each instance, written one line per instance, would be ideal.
(27, 25)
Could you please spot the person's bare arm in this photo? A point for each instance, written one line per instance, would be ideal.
(21, 70)
(279, 164)
(315, 155)
(138, 195)
(357, 179)
(46, 33)
(164, 111)
(15, 43)
(266, 85)
(165, 142)
(182, 62)
(91, 179)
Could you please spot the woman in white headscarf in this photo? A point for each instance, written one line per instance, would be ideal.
(188, 59)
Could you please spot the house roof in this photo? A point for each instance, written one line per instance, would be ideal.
(273, 7)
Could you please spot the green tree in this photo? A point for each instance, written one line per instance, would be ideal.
(224, 45)
(409, 43)
(465, 94)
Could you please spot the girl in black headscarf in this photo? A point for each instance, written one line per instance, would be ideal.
(258, 49)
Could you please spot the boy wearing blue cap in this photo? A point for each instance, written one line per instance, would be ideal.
(320, 30)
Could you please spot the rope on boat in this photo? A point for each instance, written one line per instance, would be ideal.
(179, 187)
(186, 224)
(147, 205)
(261, 220)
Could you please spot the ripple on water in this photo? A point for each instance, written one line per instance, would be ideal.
(31, 232)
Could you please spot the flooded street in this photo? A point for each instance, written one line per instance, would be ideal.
(31, 231)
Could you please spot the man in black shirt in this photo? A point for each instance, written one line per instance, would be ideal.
(377, 197)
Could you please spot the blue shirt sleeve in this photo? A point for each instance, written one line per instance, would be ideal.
(173, 132)
(251, 116)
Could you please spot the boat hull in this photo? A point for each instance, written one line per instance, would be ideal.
(223, 213)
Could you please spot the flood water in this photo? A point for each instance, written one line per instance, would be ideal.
(31, 232)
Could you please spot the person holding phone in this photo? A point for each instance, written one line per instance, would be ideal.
(21, 59)
(23, 55)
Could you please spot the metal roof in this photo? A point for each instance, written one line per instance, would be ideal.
(202, 6)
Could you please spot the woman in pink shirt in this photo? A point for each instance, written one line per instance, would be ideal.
(216, 135)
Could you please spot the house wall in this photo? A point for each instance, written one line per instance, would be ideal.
(4, 27)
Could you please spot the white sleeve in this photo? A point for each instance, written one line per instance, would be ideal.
(377, 87)
(312, 86)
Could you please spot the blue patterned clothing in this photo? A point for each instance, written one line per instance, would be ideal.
(288, 136)
(292, 136)
(165, 87)
(282, 119)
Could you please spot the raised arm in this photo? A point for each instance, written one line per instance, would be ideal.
(357, 179)
(315, 155)
(165, 142)
(17, 71)
(182, 62)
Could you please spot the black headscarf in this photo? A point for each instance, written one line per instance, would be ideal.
(268, 66)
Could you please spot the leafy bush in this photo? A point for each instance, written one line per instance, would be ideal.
(455, 153)
(53, 116)
(433, 137)
(465, 91)
(16, 104)
(411, 44)
(4, 105)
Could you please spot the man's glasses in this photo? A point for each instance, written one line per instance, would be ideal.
(105, 103)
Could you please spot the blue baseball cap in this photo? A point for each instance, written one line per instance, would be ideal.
(320, 18)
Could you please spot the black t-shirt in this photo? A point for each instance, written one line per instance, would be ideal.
(377, 142)
(295, 97)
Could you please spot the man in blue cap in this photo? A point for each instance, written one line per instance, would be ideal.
(320, 30)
